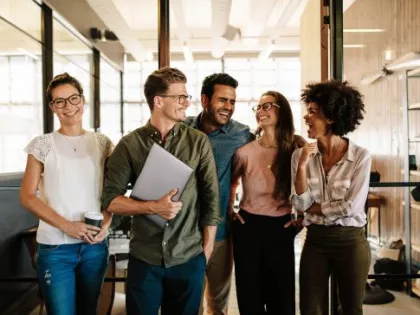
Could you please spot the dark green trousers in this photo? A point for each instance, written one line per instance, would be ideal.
(343, 251)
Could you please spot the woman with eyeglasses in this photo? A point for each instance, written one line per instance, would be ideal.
(67, 167)
(331, 180)
(263, 238)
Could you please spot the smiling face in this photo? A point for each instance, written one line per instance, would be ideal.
(318, 124)
(269, 117)
(172, 108)
(70, 114)
(220, 108)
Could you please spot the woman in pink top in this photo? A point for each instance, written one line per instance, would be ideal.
(262, 245)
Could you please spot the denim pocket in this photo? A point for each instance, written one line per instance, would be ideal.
(47, 247)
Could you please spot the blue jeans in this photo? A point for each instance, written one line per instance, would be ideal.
(176, 290)
(71, 277)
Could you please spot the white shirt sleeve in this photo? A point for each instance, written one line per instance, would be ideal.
(305, 200)
(39, 147)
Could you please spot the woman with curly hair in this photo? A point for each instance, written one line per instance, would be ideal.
(263, 239)
(331, 182)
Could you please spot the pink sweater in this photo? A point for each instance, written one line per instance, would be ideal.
(251, 164)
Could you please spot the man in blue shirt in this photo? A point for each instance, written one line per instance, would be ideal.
(218, 97)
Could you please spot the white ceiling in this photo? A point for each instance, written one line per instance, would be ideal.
(194, 23)
(246, 15)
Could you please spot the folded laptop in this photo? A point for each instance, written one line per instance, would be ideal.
(161, 173)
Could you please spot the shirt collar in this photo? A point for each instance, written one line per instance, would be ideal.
(153, 132)
(349, 156)
(224, 128)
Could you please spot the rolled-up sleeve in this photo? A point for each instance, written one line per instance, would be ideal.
(355, 198)
(305, 200)
(208, 187)
(117, 174)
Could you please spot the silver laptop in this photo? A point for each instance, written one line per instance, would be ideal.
(161, 173)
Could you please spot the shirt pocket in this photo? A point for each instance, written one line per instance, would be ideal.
(339, 189)
(314, 188)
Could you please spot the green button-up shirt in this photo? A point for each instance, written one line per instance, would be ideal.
(181, 239)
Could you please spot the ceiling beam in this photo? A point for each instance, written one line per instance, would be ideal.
(287, 13)
(182, 31)
(112, 18)
(222, 32)
(257, 21)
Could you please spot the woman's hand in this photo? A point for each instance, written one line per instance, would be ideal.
(315, 209)
(98, 238)
(79, 229)
(309, 150)
(235, 215)
(297, 223)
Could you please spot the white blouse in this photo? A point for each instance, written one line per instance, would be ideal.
(72, 179)
(342, 193)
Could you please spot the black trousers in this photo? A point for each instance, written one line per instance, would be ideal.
(264, 257)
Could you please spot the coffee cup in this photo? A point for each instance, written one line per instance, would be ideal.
(94, 218)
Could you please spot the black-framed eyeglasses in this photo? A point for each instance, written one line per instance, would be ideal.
(266, 106)
(181, 98)
(74, 99)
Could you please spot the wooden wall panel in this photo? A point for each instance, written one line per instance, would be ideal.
(382, 130)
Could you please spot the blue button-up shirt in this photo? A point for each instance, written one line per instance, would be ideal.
(225, 141)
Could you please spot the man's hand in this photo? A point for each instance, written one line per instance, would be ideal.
(208, 250)
(165, 207)
(209, 234)
(79, 230)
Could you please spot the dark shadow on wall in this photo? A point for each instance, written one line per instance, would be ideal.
(15, 260)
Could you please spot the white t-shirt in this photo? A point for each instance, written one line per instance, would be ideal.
(72, 179)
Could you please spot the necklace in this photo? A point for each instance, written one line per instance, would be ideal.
(71, 143)
(267, 145)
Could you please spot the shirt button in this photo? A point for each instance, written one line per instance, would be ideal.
(164, 243)
(167, 224)
(160, 142)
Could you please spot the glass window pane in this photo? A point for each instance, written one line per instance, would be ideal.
(110, 101)
(71, 47)
(20, 97)
(132, 117)
(25, 14)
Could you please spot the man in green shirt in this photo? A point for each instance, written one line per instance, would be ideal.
(166, 266)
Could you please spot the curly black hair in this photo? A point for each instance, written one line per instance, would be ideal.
(340, 102)
(217, 78)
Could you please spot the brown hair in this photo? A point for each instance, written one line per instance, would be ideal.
(287, 142)
(159, 81)
(61, 79)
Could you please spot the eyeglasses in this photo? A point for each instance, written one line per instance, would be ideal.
(74, 99)
(181, 98)
(266, 106)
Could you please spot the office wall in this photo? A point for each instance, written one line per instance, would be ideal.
(382, 129)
